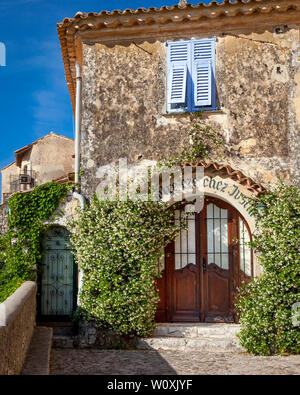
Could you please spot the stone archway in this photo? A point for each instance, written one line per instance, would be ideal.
(206, 263)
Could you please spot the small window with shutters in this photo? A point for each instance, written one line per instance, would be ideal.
(191, 75)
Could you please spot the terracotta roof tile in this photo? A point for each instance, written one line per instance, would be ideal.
(238, 6)
(109, 22)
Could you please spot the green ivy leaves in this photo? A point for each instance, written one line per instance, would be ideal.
(20, 247)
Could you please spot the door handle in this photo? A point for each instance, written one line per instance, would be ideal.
(204, 264)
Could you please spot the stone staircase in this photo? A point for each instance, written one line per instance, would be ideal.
(37, 360)
(193, 337)
(170, 336)
(63, 337)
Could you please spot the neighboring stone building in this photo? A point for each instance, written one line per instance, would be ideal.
(50, 158)
(46, 159)
(141, 70)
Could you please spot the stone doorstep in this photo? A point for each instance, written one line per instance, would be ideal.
(193, 337)
(196, 330)
(63, 342)
(190, 344)
(37, 360)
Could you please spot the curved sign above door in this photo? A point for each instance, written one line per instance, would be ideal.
(230, 185)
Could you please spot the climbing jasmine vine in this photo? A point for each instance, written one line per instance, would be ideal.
(118, 246)
(265, 305)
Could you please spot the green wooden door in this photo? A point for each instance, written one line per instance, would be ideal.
(58, 277)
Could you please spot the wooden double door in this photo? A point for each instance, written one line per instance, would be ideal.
(204, 266)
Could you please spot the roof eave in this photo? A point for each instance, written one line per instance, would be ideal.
(154, 22)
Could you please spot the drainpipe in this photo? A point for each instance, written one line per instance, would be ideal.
(77, 121)
(81, 199)
(76, 194)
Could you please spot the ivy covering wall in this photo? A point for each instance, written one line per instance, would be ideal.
(20, 247)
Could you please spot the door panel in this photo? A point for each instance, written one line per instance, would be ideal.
(58, 278)
(218, 292)
(185, 294)
(185, 288)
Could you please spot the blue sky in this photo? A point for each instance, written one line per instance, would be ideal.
(34, 98)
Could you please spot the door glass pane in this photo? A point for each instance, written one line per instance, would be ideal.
(217, 236)
(185, 242)
(245, 250)
(224, 239)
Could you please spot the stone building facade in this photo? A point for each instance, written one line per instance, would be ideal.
(125, 111)
(50, 158)
(46, 159)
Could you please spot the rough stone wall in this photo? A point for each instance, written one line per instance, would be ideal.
(3, 218)
(124, 112)
(16, 333)
(90, 335)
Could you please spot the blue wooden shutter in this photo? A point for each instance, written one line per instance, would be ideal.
(178, 55)
(203, 55)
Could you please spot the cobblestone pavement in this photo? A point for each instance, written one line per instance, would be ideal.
(106, 362)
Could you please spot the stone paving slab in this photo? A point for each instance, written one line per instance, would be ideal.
(140, 362)
(37, 360)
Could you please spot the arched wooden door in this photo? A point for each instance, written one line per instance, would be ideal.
(58, 278)
(205, 265)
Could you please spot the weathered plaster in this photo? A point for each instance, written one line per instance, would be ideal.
(124, 96)
(65, 212)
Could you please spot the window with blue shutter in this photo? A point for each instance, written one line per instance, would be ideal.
(191, 75)
(178, 59)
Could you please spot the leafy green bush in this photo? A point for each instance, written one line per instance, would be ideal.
(118, 245)
(265, 305)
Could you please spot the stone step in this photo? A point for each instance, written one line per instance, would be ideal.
(63, 342)
(63, 331)
(190, 344)
(196, 330)
(37, 360)
(59, 328)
